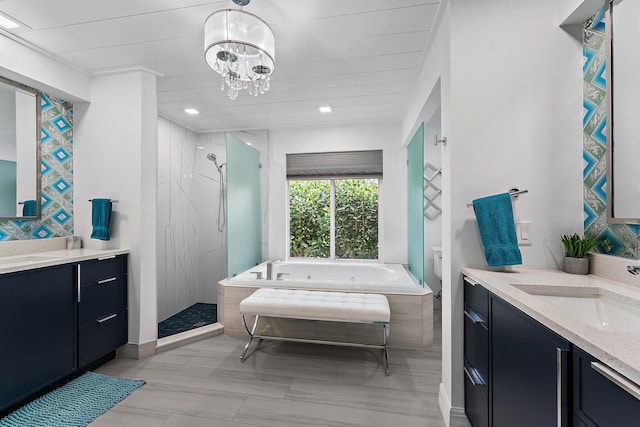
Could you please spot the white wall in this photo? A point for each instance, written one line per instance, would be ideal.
(32, 68)
(115, 156)
(393, 194)
(511, 111)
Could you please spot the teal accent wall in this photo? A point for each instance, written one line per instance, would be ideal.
(618, 239)
(57, 176)
(415, 204)
(244, 224)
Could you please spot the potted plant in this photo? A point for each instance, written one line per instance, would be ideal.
(576, 251)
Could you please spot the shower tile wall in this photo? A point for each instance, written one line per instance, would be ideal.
(189, 252)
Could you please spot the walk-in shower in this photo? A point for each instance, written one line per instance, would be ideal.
(222, 212)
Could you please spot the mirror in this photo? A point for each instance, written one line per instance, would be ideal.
(623, 124)
(19, 151)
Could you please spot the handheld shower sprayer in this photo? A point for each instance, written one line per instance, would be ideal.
(222, 211)
(214, 159)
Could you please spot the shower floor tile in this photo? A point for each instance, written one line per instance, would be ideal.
(199, 314)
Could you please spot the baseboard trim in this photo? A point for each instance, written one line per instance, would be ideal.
(453, 416)
(137, 351)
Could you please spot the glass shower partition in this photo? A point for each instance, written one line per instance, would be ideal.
(415, 205)
(244, 224)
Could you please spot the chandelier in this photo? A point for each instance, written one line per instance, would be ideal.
(241, 48)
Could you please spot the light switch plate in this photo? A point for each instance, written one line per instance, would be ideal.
(524, 231)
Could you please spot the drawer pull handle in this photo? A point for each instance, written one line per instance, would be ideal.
(618, 379)
(106, 257)
(104, 319)
(78, 283)
(475, 379)
(475, 318)
(111, 279)
(471, 282)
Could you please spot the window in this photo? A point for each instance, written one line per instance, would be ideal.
(334, 218)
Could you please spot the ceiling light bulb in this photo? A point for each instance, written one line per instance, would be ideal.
(325, 109)
(191, 111)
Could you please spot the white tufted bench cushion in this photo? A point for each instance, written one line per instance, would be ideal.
(317, 305)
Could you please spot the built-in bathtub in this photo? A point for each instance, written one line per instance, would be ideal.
(411, 305)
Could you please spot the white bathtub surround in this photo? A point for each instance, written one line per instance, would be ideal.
(617, 346)
(411, 306)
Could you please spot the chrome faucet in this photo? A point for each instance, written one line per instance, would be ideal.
(633, 269)
(270, 269)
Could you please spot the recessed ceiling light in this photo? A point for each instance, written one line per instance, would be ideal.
(191, 111)
(7, 23)
(325, 109)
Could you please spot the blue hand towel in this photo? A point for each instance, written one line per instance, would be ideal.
(497, 230)
(30, 208)
(101, 218)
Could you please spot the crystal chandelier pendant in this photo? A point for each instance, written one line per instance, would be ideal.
(241, 48)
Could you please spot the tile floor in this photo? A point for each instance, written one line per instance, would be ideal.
(280, 385)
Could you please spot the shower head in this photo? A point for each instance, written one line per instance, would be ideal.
(214, 159)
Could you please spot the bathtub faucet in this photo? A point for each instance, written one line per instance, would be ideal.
(633, 269)
(270, 269)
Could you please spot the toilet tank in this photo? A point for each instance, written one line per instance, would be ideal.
(437, 261)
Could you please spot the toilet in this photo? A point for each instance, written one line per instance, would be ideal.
(437, 261)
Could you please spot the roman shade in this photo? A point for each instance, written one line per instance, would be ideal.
(342, 164)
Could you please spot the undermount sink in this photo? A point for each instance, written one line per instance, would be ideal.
(597, 307)
(26, 258)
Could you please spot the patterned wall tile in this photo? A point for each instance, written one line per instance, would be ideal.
(618, 239)
(57, 177)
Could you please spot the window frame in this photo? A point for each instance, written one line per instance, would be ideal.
(332, 229)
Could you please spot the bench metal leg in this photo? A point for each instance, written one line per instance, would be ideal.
(386, 350)
(251, 335)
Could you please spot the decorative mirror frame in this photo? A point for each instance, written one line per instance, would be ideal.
(611, 218)
(38, 143)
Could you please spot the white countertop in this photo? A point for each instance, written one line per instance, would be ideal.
(12, 264)
(618, 349)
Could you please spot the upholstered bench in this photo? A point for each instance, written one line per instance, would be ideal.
(318, 305)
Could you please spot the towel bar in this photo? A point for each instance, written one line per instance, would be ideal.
(112, 201)
(513, 192)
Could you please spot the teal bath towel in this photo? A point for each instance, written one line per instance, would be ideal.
(30, 208)
(101, 218)
(497, 230)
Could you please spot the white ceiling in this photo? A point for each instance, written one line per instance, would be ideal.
(360, 56)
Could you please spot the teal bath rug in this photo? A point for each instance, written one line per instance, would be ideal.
(75, 404)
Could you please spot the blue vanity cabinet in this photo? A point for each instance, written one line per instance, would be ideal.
(598, 401)
(529, 370)
(38, 318)
(516, 371)
(476, 353)
(102, 307)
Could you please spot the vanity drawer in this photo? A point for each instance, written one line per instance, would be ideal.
(476, 397)
(476, 341)
(98, 300)
(102, 269)
(102, 337)
(597, 400)
(476, 297)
